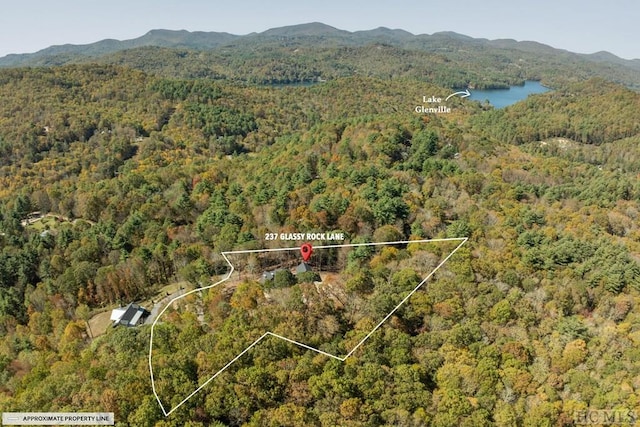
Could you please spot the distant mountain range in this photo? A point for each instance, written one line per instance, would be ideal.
(159, 38)
(316, 36)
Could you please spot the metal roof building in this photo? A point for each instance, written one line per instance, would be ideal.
(131, 315)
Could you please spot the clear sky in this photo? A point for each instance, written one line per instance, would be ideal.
(583, 26)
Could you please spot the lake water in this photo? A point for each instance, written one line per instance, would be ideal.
(501, 98)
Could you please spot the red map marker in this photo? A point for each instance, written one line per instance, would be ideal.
(306, 251)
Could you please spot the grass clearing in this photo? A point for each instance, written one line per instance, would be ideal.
(100, 323)
(46, 223)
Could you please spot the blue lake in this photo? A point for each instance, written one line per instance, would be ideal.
(501, 98)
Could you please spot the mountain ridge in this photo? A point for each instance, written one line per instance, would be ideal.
(155, 37)
(204, 40)
(315, 51)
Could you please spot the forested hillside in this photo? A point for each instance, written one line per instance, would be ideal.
(315, 51)
(590, 112)
(150, 177)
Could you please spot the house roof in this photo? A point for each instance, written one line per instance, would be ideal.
(136, 317)
(129, 315)
(270, 275)
(303, 268)
(116, 313)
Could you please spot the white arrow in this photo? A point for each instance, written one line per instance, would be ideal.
(464, 94)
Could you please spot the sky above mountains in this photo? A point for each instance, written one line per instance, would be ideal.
(575, 25)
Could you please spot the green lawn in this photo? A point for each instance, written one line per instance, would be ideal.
(46, 223)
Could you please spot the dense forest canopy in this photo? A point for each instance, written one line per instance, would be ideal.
(143, 173)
